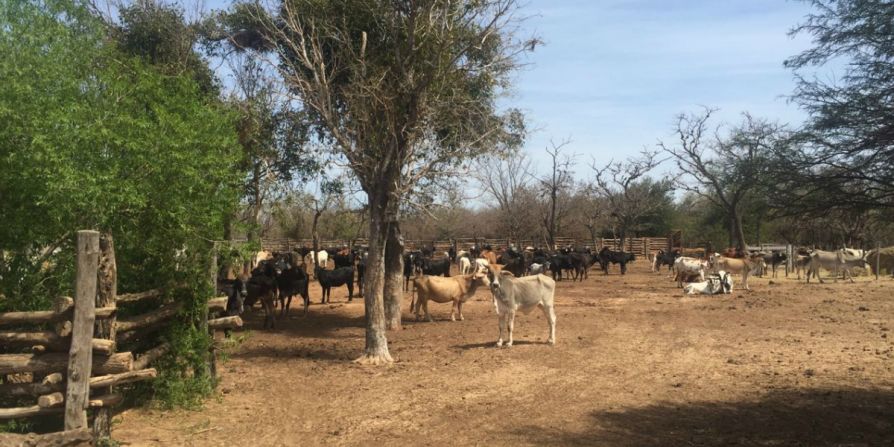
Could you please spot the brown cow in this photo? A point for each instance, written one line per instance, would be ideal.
(744, 267)
(455, 289)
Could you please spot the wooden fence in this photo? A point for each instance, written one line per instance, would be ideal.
(76, 366)
(639, 246)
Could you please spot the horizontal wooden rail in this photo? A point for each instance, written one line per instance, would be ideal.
(44, 388)
(148, 319)
(53, 362)
(139, 296)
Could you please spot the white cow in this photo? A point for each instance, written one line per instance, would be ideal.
(512, 294)
(481, 265)
(537, 269)
(835, 262)
(722, 282)
(686, 267)
(465, 266)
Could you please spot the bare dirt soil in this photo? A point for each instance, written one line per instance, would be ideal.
(636, 364)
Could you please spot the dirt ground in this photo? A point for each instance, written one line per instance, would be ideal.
(636, 364)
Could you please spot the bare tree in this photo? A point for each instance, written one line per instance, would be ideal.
(506, 180)
(557, 184)
(629, 195)
(724, 169)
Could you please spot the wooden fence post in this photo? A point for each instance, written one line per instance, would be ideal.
(77, 393)
(106, 293)
(789, 259)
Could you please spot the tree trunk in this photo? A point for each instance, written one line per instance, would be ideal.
(739, 230)
(394, 275)
(376, 350)
(732, 228)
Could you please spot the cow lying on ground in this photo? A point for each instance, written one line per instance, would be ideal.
(687, 269)
(335, 278)
(744, 266)
(456, 289)
(512, 294)
(721, 282)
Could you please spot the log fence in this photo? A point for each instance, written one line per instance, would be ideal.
(66, 360)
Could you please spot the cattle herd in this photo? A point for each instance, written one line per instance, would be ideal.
(517, 279)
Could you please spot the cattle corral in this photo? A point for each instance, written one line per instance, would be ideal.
(636, 363)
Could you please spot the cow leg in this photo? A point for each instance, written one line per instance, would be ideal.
(453, 305)
(623, 268)
(550, 313)
(427, 315)
(501, 323)
(350, 291)
(510, 323)
(459, 309)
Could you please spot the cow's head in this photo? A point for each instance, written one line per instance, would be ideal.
(726, 282)
(236, 300)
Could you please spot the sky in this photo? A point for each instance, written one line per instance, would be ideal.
(613, 74)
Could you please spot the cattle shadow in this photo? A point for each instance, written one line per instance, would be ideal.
(493, 344)
(314, 324)
(823, 417)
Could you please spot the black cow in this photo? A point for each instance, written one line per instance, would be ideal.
(261, 286)
(774, 260)
(607, 255)
(343, 260)
(558, 263)
(291, 280)
(335, 278)
(412, 264)
(436, 267)
(475, 251)
(665, 258)
(516, 266)
(451, 252)
(361, 269)
(580, 264)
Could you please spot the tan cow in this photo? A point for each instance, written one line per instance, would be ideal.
(455, 289)
(744, 266)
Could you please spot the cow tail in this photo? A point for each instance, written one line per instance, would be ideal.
(413, 300)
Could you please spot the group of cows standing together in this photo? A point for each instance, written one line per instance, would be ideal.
(686, 269)
(516, 278)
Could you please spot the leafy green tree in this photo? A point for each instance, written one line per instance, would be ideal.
(403, 91)
(844, 156)
(96, 139)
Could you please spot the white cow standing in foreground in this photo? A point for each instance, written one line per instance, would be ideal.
(512, 294)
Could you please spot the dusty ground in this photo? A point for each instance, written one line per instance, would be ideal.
(636, 364)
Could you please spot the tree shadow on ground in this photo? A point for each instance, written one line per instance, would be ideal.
(823, 417)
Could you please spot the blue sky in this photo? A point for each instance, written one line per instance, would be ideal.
(613, 73)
